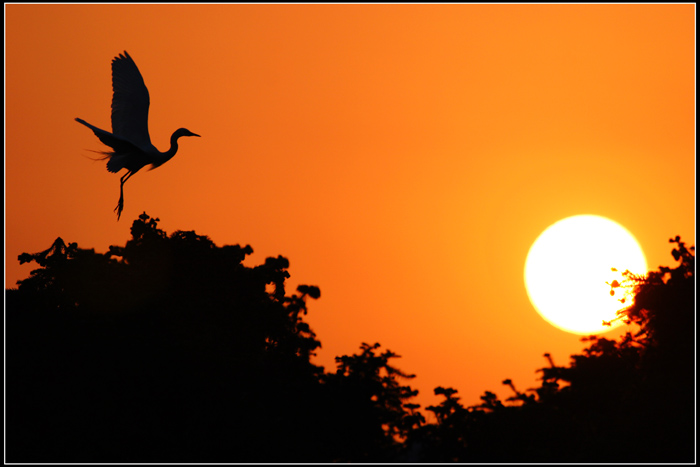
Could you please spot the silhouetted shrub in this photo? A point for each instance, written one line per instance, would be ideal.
(630, 400)
(169, 349)
(166, 349)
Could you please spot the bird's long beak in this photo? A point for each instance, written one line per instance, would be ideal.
(195, 134)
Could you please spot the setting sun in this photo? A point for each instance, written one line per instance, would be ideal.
(569, 267)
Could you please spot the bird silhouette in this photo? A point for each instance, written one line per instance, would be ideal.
(129, 139)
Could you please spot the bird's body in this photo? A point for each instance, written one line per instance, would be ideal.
(130, 142)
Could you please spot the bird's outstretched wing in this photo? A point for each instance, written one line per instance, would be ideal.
(130, 102)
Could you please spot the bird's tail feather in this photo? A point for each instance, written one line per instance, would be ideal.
(115, 160)
(106, 155)
(92, 127)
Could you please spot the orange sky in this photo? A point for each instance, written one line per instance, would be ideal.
(403, 157)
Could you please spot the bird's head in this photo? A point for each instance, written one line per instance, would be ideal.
(184, 132)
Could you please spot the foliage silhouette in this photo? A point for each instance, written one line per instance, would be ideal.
(170, 349)
(375, 406)
(630, 400)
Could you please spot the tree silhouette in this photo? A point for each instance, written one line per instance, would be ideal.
(170, 349)
(166, 349)
(375, 410)
(630, 400)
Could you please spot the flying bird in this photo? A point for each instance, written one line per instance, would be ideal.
(131, 145)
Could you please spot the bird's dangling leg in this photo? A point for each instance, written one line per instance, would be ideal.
(120, 204)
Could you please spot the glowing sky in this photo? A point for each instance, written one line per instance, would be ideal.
(403, 157)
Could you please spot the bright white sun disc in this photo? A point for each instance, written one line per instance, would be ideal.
(567, 268)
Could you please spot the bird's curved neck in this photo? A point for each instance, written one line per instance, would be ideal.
(167, 155)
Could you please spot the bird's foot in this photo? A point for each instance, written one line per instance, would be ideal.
(119, 208)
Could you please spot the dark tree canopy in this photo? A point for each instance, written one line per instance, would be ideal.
(630, 400)
(170, 349)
